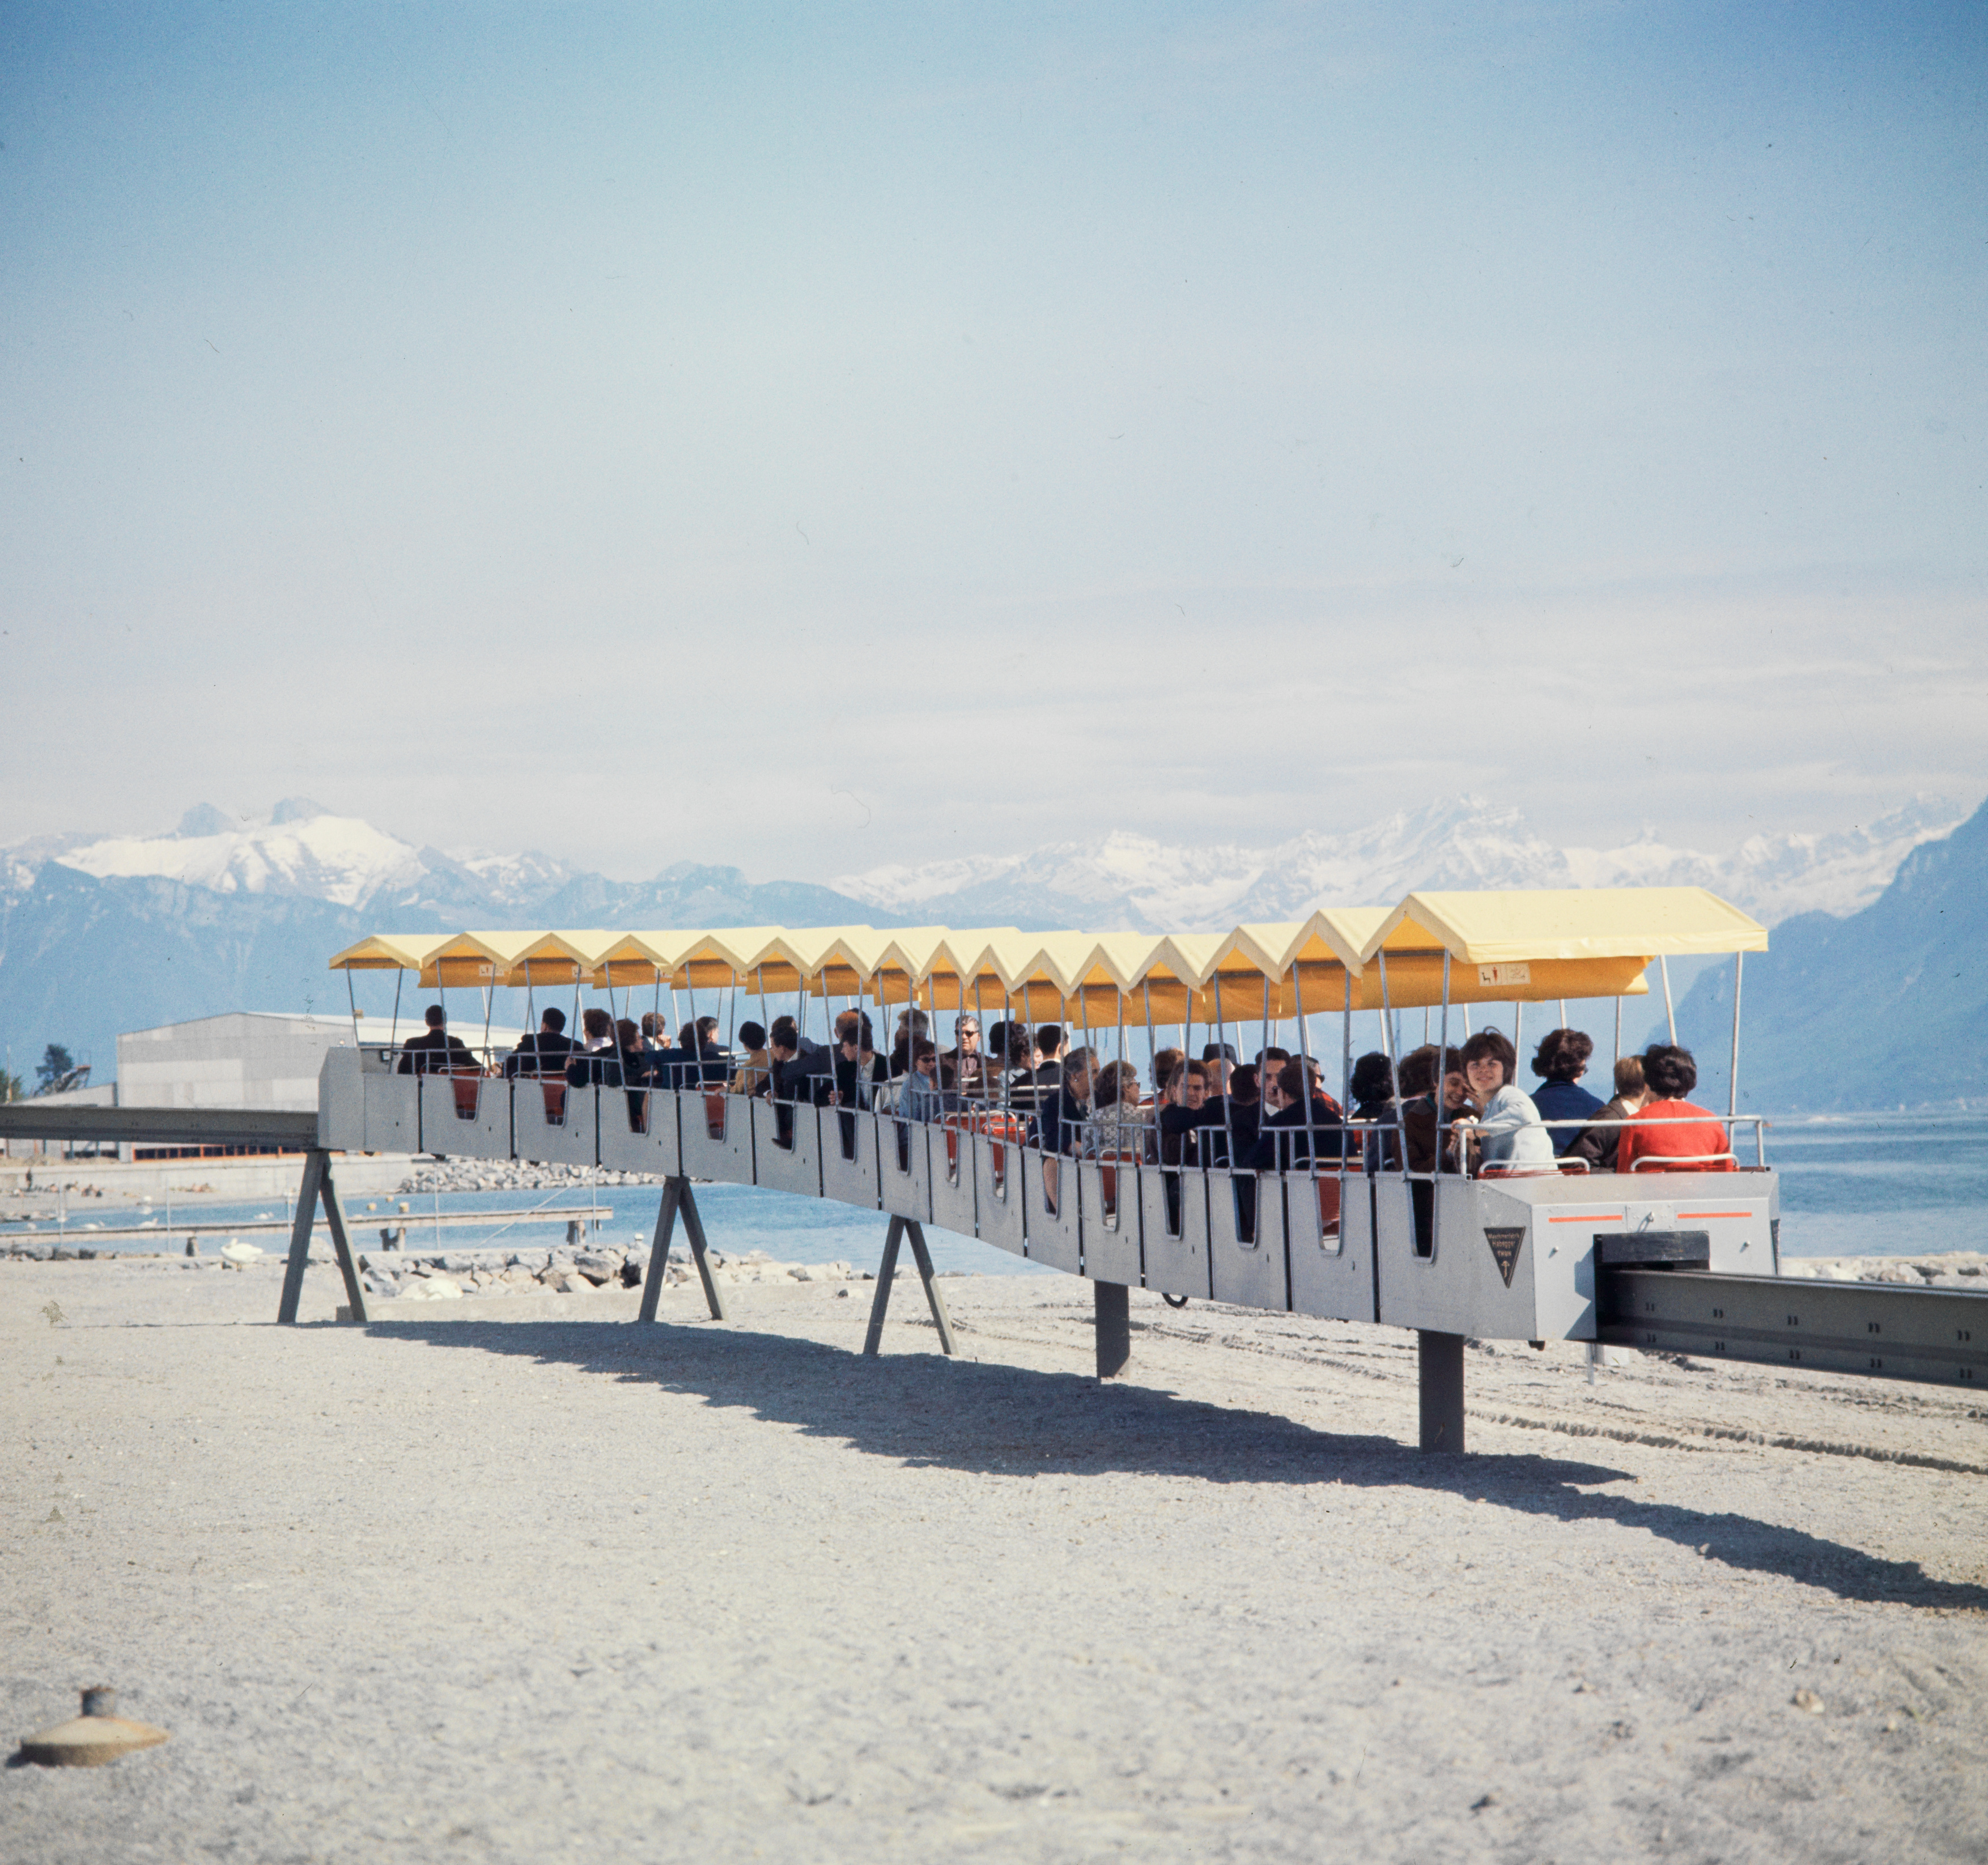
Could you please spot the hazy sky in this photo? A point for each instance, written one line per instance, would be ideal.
(810, 437)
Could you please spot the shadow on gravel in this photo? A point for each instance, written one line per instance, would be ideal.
(1016, 1421)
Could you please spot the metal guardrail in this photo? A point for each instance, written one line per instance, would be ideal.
(160, 1126)
(1879, 1331)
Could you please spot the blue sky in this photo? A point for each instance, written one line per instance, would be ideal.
(811, 437)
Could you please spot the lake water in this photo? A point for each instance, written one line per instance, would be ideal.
(1851, 1185)
(1898, 1184)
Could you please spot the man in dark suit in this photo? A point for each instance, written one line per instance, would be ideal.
(436, 1052)
(544, 1054)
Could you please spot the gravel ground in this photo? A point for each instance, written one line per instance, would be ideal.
(503, 1580)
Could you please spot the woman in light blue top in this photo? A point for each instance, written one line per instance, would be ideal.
(1507, 1129)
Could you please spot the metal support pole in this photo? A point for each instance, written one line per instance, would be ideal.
(678, 1201)
(300, 1235)
(880, 1303)
(1439, 1368)
(334, 1215)
(901, 1228)
(693, 1226)
(317, 1185)
(1113, 1303)
(934, 1299)
(1732, 1085)
(659, 1247)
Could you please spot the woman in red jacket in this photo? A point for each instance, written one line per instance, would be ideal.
(1664, 1129)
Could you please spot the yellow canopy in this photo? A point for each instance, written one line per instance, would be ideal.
(389, 952)
(1530, 945)
(1551, 943)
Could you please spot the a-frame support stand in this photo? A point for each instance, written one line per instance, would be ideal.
(678, 1200)
(886, 1270)
(317, 1189)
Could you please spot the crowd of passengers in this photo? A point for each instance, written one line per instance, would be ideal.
(1272, 1114)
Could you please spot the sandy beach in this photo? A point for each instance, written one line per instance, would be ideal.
(515, 1579)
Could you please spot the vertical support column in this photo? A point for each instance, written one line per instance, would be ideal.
(315, 1163)
(879, 1305)
(694, 1227)
(934, 1300)
(1439, 1366)
(659, 1246)
(1112, 1304)
(334, 1215)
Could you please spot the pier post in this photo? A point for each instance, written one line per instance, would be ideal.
(318, 1187)
(900, 1229)
(1113, 1305)
(1439, 1368)
(678, 1200)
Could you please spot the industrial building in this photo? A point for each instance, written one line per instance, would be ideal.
(241, 1059)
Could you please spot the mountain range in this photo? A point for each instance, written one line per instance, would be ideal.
(99, 933)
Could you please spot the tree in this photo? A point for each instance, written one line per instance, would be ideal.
(55, 1063)
(11, 1087)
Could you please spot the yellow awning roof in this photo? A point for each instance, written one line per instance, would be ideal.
(1494, 928)
(389, 952)
(1590, 942)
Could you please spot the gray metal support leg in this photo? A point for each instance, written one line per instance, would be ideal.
(314, 1163)
(334, 1215)
(694, 1227)
(933, 1298)
(1440, 1360)
(879, 1304)
(1114, 1305)
(659, 1246)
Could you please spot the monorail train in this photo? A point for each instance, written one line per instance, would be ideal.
(1347, 1231)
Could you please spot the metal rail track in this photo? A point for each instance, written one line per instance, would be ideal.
(1874, 1330)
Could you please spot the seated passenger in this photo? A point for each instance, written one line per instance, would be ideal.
(1245, 1113)
(435, 1051)
(969, 1066)
(1052, 1048)
(912, 1025)
(1119, 1126)
(1597, 1144)
(1065, 1107)
(602, 1068)
(754, 1074)
(636, 1066)
(1417, 1106)
(704, 1062)
(1505, 1129)
(923, 1095)
(1374, 1108)
(1183, 1112)
(1668, 1128)
(1373, 1087)
(1316, 1070)
(1021, 1087)
(802, 1070)
(597, 1030)
(1164, 1062)
(1269, 1061)
(1562, 1058)
(859, 1069)
(1296, 1128)
(542, 1053)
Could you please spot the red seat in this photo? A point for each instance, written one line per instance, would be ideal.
(465, 1081)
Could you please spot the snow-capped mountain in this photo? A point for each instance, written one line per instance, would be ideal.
(305, 851)
(100, 933)
(1135, 883)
